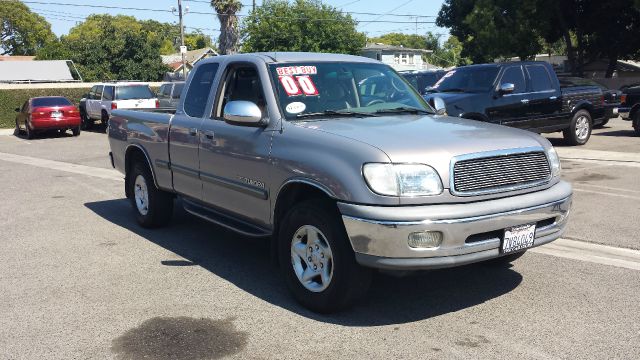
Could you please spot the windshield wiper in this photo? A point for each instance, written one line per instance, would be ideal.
(335, 113)
(453, 90)
(403, 109)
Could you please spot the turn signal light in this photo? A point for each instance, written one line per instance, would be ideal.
(425, 239)
(623, 98)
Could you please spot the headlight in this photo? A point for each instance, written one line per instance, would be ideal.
(554, 161)
(402, 179)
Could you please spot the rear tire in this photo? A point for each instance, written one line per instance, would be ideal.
(104, 119)
(16, 132)
(636, 122)
(28, 131)
(317, 260)
(153, 207)
(87, 122)
(579, 130)
(76, 131)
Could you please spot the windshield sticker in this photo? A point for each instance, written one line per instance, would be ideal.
(296, 107)
(298, 85)
(296, 70)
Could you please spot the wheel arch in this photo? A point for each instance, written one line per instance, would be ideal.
(132, 153)
(583, 105)
(291, 192)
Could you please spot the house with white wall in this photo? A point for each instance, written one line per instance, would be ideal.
(398, 57)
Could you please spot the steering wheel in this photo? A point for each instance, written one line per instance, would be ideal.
(375, 101)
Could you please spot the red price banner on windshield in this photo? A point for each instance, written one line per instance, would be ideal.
(298, 85)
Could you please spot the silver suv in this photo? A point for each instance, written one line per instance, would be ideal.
(104, 97)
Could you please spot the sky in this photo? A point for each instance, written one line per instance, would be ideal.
(387, 16)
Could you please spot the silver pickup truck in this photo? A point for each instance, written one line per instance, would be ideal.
(343, 166)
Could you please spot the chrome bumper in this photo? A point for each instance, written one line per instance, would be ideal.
(472, 232)
(624, 113)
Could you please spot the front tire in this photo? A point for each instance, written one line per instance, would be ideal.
(636, 123)
(316, 258)
(579, 130)
(153, 207)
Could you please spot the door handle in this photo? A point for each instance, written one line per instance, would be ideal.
(193, 131)
(553, 98)
(209, 134)
(524, 101)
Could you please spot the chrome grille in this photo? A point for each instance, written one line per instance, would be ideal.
(488, 174)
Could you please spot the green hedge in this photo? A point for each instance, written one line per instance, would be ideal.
(10, 99)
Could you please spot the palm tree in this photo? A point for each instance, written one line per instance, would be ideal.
(227, 9)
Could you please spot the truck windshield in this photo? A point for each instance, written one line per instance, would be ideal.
(469, 79)
(134, 92)
(336, 89)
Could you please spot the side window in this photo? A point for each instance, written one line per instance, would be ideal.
(177, 90)
(242, 83)
(92, 93)
(108, 93)
(98, 93)
(539, 76)
(199, 89)
(162, 91)
(514, 76)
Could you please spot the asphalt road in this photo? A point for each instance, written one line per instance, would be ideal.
(79, 279)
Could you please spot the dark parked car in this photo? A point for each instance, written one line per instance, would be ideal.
(48, 113)
(423, 79)
(612, 97)
(630, 107)
(525, 95)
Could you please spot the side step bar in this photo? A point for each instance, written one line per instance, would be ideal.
(224, 220)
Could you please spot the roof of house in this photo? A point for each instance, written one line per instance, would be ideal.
(16, 58)
(191, 56)
(35, 71)
(381, 46)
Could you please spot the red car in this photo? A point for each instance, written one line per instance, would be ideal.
(48, 113)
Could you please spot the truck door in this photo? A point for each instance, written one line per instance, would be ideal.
(234, 159)
(511, 109)
(545, 100)
(184, 139)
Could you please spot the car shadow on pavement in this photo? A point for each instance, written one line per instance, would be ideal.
(621, 133)
(245, 262)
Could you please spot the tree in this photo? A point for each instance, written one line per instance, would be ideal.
(491, 29)
(111, 47)
(426, 42)
(227, 9)
(449, 54)
(304, 25)
(23, 32)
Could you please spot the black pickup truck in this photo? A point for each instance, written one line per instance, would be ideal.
(630, 107)
(525, 95)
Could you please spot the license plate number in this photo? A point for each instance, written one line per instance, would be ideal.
(518, 238)
(56, 113)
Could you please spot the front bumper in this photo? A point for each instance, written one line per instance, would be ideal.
(472, 232)
(624, 112)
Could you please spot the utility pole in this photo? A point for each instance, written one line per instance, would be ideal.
(182, 47)
(254, 5)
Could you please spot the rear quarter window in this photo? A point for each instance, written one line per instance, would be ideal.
(539, 77)
(134, 92)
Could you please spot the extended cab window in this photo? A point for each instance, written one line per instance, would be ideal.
(539, 76)
(199, 89)
(513, 75)
(242, 83)
(108, 93)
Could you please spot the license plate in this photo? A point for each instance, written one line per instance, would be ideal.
(56, 113)
(518, 238)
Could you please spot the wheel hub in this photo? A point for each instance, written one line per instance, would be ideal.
(311, 258)
(141, 195)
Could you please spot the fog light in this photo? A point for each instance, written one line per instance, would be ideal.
(425, 239)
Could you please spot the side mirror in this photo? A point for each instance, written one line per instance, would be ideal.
(243, 113)
(507, 88)
(439, 106)
(17, 109)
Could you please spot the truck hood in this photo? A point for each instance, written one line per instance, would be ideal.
(431, 140)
